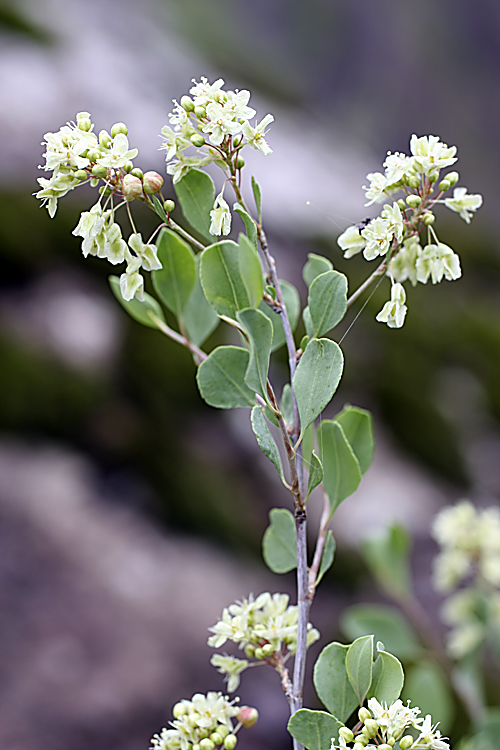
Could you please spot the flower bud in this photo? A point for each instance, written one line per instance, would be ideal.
(391, 741)
(105, 139)
(384, 746)
(81, 174)
(192, 720)
(406, 742)
(371, 727)
(268, 649)
(195, 747)
(187, 103)
(364, 714)
(84, 124)
(433, 177)
(153, 182)
(128, 166)
(216, 738)
(203, 733)
(93, 154)
(359, 746)
(401, 204)
(169, 207)
(197, 140)
(259, 654)
(207, 744)
(346, 733)
(132, 187)
(240, 162)
(218, 96)
(179, 710)
(137, 172)
(428, 218)
(105, 190)
(453, 178)
(200, 112)
(413, 182)
(414, 201)
(119, 127)
(444, 185)
(223, 731)
(99, 171)
(81, 116)
(248, 716)
(230, 742)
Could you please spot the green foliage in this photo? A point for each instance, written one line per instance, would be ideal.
(279, 543)
(286, 404)
(260, 334)
(487, 732)
(388, 559)
(221, 278)
(314, 729)
(341, 467)
(175, 281)
(315, 473)
(427, 687)
(221, 378)
(358, 429)
(142, 312)
(198, 316)
(387, 624)
(250, 270)
(388, 677)
(292, 304)
(327, 302)
(359, 666)
(316, 265)
(249, 223)
(332, 682)
(265, 439)
(316, 378)
(327, 556)
(196, 194)
(257, 195)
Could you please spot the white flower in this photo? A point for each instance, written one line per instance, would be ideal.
(393, 312)
(220, 217)
(231, 668)
(174, 142)
(351, 242)
(437, 261)
(431, 154)
(429, 737)
(148, 254)
(221, 123)
(378, 236)
(236, 103)
(403, 265)
(394, 719)
(255, 136)
(54, 188)
(131, 282)
(179, 117)
(393, 215)
(203, 92)
(119, 153)
(464, 204)
(397, 165)
(91, 222)
(376, 192)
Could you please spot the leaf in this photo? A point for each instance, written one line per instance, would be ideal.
(286, 405)
(387, 557)
(279, 543)
(265, 440)
(427, 687)
(139, 311)
(359, 665)
(198, 316)
(342, 474)
(221, 378)
(387, 624)
(315, 473)
(487, 731)
(292, 304)
(332, 683)
(327, 301)
(358, 428)
(221, 278)
(250, 226)
(315, 266)
(314, 729)
(308, 324)
(159, 208)
(308, 444)
(250, 271)
(316, 378)
(327, 556)
(260, 333)
(387, 679)
(257, 197)
(196, 194)
(175, 281)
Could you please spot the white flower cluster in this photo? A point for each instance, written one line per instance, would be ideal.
(469, 540)
(217, 123)
(203, 723)
(75, 153)
(395, 234)
(381, 726)
(265, 627)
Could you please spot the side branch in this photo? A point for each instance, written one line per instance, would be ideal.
(359, 291)
(198, 354)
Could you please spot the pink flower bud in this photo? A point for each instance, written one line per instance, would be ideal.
(132, 187)
(247, 716)
(153, 182)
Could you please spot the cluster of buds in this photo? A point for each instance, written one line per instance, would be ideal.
(383, 727)
(216, 123)
(206, 722)
(265, 628)
(396, 234)
(469, 541)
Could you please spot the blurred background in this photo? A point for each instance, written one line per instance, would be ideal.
(130, 512)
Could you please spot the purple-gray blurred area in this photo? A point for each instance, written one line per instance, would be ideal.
(130, 512)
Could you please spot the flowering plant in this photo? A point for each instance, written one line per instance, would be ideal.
(201, 280)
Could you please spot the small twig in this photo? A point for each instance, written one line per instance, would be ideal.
(198, 355)
(320, 545)
(185, 234)
(359, 291)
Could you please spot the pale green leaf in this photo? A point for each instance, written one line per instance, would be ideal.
(316, 378)
(332, 683)
(316, 265)
(428, 688)
(358, 427)
(387, 556)
(314, 729)
(250, 226)
(342, 474)
(265, 439)
(387, 624)
(327, 556)
(387, 679)
(198, 316)
(257, 197)
(221, 278)
(196, 194)
(315, 473)
(308, 324)
(327, 301)
(251, 271)
(139, 311)
(279, 543)
(159, 208)
(175, 281)
(260, 334)
(292, 304)
(359, 665)
(221, 378)
(286, 405)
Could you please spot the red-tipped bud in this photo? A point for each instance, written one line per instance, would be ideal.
(153, 182)
(132, 187)
(248, 716)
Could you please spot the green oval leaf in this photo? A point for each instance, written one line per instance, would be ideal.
(387, 624)
(315, 473)
(196, 194)
(251, 271)
(327, 556)
(358, 428)
(265, 439)
(387, 679)
(292, 304)
(387, 557)
(340, 465)
(279, 543)
(257, 197)
(260, 333)
(332, 683)
(250, 226)
(359, 665)
(314, 729)
(139, 311)
(327, 301)
(316, 378)
(428, 688)
(175, 281)
(198, 317)
(221, 378)
(221, 278)
(316, 265)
